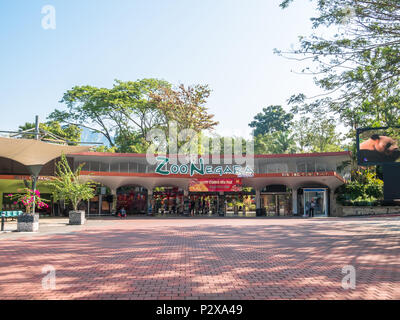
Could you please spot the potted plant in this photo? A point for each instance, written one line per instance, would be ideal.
(69, 187)
(29, 220)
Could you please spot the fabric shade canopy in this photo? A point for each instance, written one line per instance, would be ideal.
(31, 152)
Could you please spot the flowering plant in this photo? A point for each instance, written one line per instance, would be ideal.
(29, 198)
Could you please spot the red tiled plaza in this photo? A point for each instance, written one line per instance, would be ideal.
(206, 259)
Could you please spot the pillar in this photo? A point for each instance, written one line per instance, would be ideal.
(1, 201)
(150, 201)
(221, 203)
(186, 202)
(294, 200)
(114, 202)
(258, 199)
(332, 207)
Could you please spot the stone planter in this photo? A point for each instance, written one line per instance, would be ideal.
(28, 223)
(77, 217)
(349, 211)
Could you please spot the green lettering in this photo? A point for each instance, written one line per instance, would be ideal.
(163, 163)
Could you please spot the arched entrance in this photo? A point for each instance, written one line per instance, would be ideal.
(313, 200)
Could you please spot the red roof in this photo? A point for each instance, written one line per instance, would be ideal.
(293, 155)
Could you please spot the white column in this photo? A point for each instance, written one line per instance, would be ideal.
(114, 203)
(294, 200)
(328, 202)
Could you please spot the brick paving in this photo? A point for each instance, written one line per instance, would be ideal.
(206, 259)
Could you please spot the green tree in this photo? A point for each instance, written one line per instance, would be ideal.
(92, 108)
(302, 132)
(272, 119)
(134, 100)
(274, 143)
(71, 133)
(358, 68)
(67, 184)
(125, 113)
(323, 136)
(186, 107)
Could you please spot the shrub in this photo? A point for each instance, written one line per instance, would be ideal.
(68, 185)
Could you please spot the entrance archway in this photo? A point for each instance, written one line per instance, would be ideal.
(313, 199)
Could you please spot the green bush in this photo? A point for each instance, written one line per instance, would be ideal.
(364, 190)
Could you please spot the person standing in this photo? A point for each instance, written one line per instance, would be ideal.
(308, 207)
(192, 207)
(123, 213)
(312, 208)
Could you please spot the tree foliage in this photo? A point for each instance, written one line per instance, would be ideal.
(71, 133)
(365, 187)
(278, 142)
(358, 67)
(125, 113)
(276, 132)
(272, 119)
(186, 106)
(68, 186)
(316, 135)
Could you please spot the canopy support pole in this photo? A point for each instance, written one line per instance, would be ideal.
(34, 171)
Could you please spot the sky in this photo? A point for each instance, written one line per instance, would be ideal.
(227, 44)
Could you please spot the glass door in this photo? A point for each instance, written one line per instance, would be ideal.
(315, 202)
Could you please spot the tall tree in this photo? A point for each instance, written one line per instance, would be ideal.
(316, 135)
(272, 119)
(135, 101)
(359, 67)
(92, 108)
(71, 133)
(186, 106)
(278, 142)
(125, 113)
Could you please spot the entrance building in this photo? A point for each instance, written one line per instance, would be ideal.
(280, 185)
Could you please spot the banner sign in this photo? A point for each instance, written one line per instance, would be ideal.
(306, 174)
(215, 185)
(13, 177)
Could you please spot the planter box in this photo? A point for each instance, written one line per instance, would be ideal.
(344, 211)
(77, 217)
(28, 223)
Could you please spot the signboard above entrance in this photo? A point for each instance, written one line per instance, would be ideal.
(215, 185)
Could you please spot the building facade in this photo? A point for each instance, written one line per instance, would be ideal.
(286, 184)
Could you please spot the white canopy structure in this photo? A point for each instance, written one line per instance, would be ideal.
(34, 154)
(30, 152)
